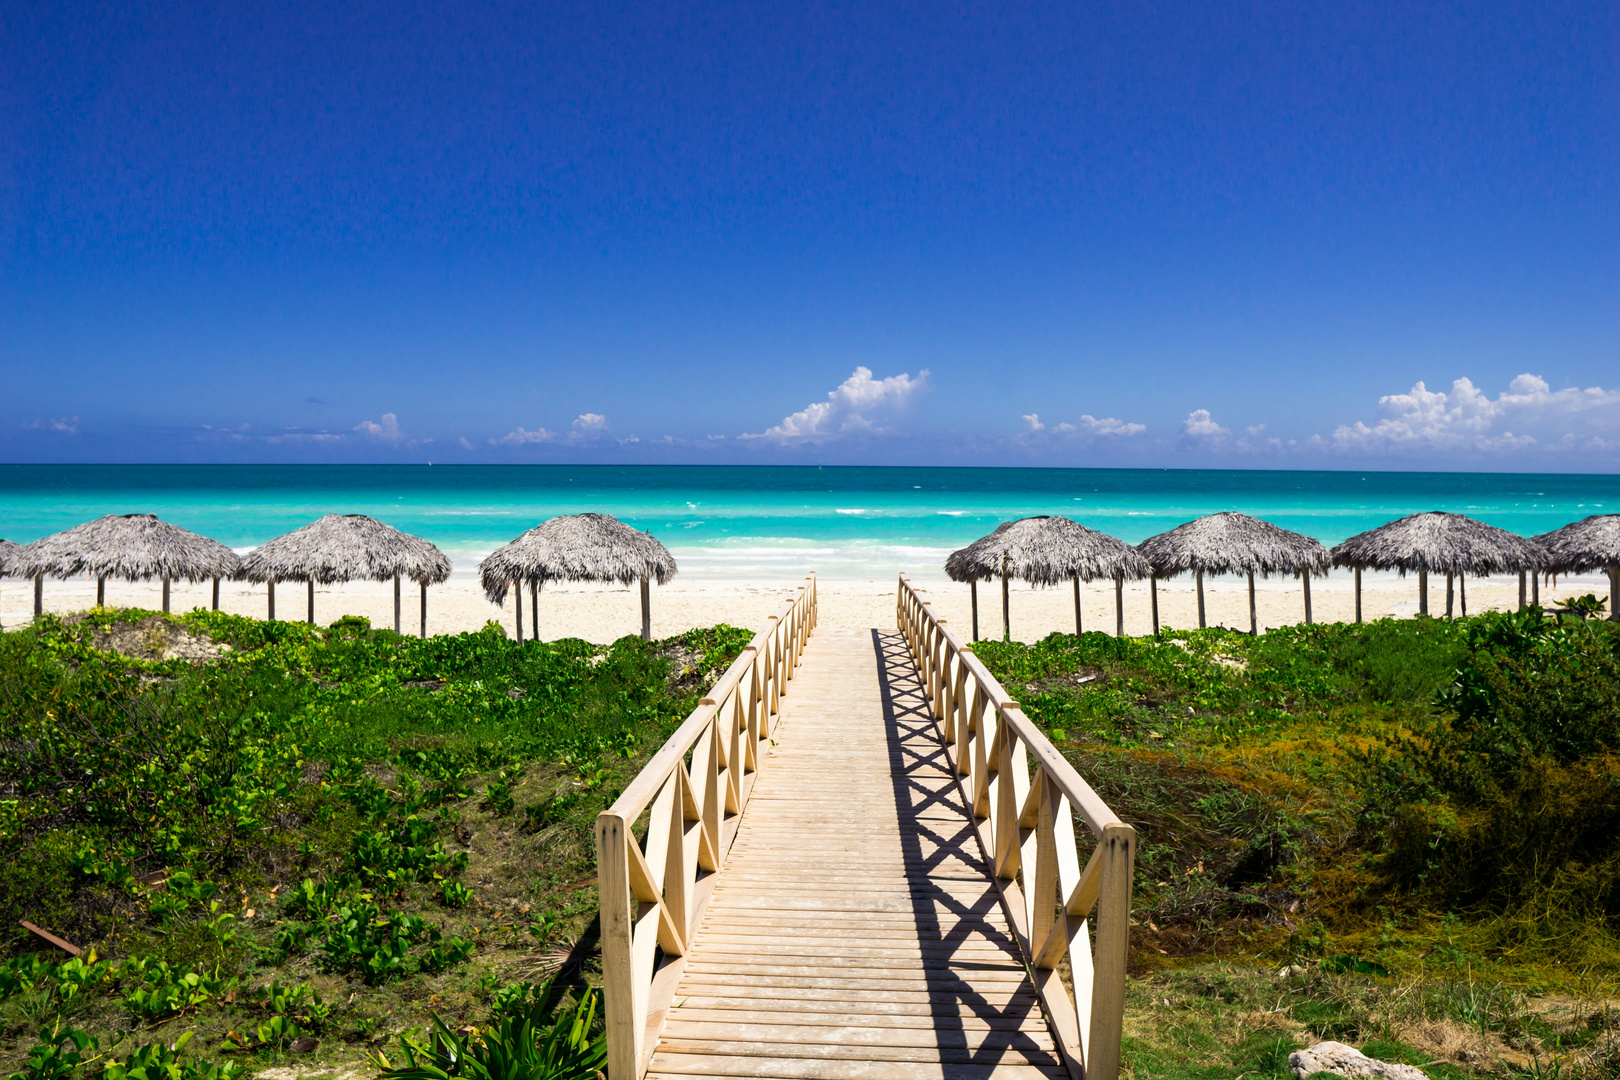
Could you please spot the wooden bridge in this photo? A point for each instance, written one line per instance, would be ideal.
(796, 887)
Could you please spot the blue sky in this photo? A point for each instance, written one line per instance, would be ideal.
(1149, 233)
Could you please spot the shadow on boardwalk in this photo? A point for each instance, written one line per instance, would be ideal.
(938, 840)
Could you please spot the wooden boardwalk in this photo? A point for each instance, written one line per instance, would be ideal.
(856, 932)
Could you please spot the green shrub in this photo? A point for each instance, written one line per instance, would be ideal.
(543, 1036)
(1510, 803)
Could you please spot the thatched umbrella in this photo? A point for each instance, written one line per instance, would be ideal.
(577, 547)
(8, 552)
(347, 547)
(1229, 543)
(1590, 544)
(135, 547)
(1449, 543)
(1046, 551)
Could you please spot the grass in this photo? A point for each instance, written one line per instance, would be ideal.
(288, 844)
(1415, 819)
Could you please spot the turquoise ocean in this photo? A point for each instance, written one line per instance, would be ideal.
(766, 522)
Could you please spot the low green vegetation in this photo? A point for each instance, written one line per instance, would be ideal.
(1404, 835)
(339, 849)
(333, 847)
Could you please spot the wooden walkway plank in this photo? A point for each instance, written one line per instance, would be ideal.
(854, 933)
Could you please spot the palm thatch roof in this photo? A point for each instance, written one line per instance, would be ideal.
(576, 547)
(346, 547)
(1590, 544)
(1045, 551)
(8, 554)
(1229, 543)
(1442, 543)
(134, 547)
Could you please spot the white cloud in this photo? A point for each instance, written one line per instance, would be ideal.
(520, 436)
(1088, 427)
(846, 408)
(304, 437)
(240, 434)
(384, 430)
(58, 425)
(1200, 428)
(465, 445)
(1108, 425)
(587, 427)
(1529, 414)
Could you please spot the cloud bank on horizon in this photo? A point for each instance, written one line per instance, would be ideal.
(877, 420)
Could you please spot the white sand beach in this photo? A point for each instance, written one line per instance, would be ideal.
(602, 614)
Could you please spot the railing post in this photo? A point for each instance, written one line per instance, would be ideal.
(624, 994)
(1012, 786)
(773, 646)
(756, 697)
(960, 698)
(1117, 849)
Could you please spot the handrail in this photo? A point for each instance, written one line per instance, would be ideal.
(1025, 827)
(693, 790)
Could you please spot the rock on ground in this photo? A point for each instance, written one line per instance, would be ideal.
(1347, 1061)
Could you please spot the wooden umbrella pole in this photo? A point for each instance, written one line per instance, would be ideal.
(973, 587)
(271, 615)
(165, 596)
(1153, 590)
(1451, 588)
(1423, 592)
(1305, 580)
(646, 609)
(1201, 622)
(1358, 594)
(424, 608)
(534, 608)
(1006, 611)
(1614, 593)
(216, 594)
(517, 597)
(1254, 623)
(39, 595)
(101, 590)
(1462, 591)
(396, 601)
(1079, 625)
(1535, 588)
(311, 616)
(1119, 605)
(1521, 590)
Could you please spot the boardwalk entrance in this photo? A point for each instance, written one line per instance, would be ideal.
(857, 860)
(872, 943)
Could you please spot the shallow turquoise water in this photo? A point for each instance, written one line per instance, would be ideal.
(753, 521)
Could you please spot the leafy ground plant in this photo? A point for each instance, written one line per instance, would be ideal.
(545, 1034)
(279, 850)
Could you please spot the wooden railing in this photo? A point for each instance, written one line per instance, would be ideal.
(691, 794)
(1026, 831)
